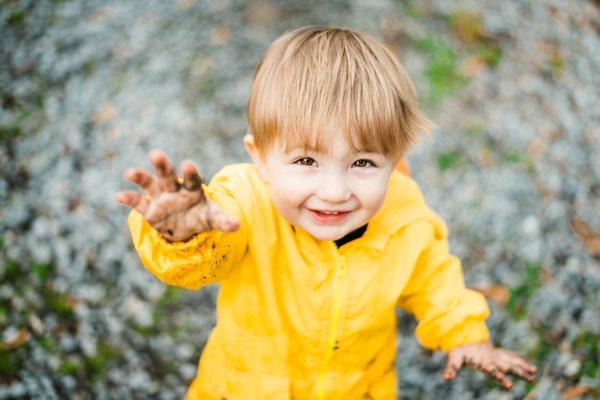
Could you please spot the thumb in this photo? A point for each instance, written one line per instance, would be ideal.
(453, 365)
(221, 221)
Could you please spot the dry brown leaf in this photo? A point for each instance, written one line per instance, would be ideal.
(591, 239)
(467, 26)
(36, 323)
(69, 300)
(183, 5)
(499, 294)
(575, 392)
(531, 395)
(105, 113)
(262, 12)
(471, 66)
(537, 147)
(485, 156)
(17, 340)
(220, 35)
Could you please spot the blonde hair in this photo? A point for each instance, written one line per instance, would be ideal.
(314, 80)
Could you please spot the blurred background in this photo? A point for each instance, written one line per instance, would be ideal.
(88, 88)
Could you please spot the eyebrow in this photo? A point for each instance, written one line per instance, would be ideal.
(312, 149)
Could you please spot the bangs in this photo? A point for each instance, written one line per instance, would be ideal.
(314, 83)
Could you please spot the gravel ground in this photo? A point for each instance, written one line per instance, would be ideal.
(88, 88)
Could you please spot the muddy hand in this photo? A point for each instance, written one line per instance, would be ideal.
(496, 363)
(176, 207)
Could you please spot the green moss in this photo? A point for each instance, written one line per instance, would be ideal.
(490, 53)
(447, 160)
(4, 313)
(49, 344)
(519, 296)
(441, 69)
(513, 157)
(144, 331)
(11, 363)
(164, 305)
(70, 367)
(16, 18)
(9, 132)
(410, 10)
(557, 63)
(98, 364)
(585, 346)
(42, 271)
(12, 271)
(168, 367)
(475, 129)
(88, 68)
(540, 353)
(57, 304)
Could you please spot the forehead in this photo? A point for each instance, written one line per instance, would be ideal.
(328, 139)
(334, 144)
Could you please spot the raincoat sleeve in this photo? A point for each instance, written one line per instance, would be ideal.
(448, 314)
(207, 257)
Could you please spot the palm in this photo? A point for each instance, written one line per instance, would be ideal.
(177, 211)
(495, 362)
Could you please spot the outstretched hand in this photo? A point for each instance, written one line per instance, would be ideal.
(495, 362)
(176, 207)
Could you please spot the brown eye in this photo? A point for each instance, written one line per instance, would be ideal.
(363, 163)
(305, 161)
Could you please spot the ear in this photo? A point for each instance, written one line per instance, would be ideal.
(257, 158)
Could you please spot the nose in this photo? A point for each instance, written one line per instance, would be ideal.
(333, 189)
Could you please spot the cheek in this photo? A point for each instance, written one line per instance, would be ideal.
(287, 192)
(371, 193)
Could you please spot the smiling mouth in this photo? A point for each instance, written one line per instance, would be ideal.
(329, 216)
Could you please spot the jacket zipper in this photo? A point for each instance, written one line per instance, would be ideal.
(339, 274)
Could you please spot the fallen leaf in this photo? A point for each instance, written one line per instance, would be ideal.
(575, 392)
(471, 66)
(467, 26)
(531, 395)
(537, 147)
(220, 35)
(486, 157)
(36, 323)
(499, 294)
(105, 113)
(17, 340)
(261, 12)
(591, 239)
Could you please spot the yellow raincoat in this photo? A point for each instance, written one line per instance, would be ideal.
(298, 318)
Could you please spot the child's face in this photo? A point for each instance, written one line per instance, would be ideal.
(327, 195)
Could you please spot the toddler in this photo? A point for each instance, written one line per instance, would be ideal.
(316, 241)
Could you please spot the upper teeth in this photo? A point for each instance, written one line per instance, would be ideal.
(331, 212)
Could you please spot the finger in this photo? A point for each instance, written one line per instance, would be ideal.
(164, 170)
(520, 372)
(512, 362)
(134, 200)
(498, 376)
(453, 366)
(219, 220)
(143, 179)
(528, 371)
(192, 180)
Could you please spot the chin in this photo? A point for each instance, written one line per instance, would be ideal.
(323, 234)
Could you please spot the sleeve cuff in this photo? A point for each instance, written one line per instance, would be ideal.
(469, 332)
